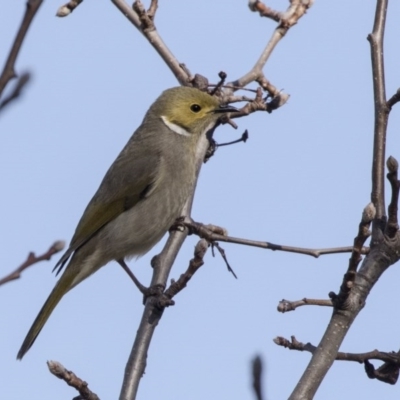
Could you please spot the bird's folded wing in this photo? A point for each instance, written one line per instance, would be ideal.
(120, 190)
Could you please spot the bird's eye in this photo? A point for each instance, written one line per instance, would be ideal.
(195, 108)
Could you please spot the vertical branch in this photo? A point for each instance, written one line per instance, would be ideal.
(381, 108)
(382, 255)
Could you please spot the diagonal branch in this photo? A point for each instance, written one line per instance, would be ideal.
(32, 259)
(289, 18)
(140, 18)
(72, 380)
(8, 72)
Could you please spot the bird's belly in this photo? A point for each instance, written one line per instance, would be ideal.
(137, 230)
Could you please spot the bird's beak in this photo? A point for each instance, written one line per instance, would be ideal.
(225, 109)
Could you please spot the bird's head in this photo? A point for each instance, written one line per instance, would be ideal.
(188, 111)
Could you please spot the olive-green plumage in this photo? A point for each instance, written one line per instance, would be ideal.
(141, 194)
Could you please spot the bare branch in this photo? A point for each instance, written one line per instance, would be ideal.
(204, 231)
(72, 380)
(243, 138)
(8, 72)
(194, 264)
(349, 277)
(383, 252)
(146, 19)
(287, 305)
(388, 372)
(257, 369)
(394, 99)
(32, 259)
(144, 22)
(264, 11)
(260, 104)
(392, 225)
(224, 257)
(128, 12)
(381, 109)
(222, 75)
(151, 12)
(295, 11)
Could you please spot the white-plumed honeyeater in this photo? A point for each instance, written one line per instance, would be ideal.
(141, 194)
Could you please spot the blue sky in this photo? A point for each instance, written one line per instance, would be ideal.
(302, 179)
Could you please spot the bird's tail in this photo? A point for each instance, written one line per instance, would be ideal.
(62, 287)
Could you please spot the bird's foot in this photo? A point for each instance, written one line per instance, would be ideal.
(181, 223)
(205, 231)
(155, 291)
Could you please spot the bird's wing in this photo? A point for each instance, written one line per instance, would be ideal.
(121, 189)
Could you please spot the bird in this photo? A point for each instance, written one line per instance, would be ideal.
(141, 195)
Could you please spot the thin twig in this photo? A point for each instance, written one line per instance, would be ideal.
(8, 72)
(295, 11)
(363, 234)
(259, 103)
(287, 305)
(294, 344)
(264, 11)
(349, 277)
(151, 12)
(205, 231)
(146, 19)
(243, 138)
(224, 257)
(222, 76)
(72, 380)
(195, 263)
(394, 99)
(33, 259)
(154, 39)
(392, 225)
